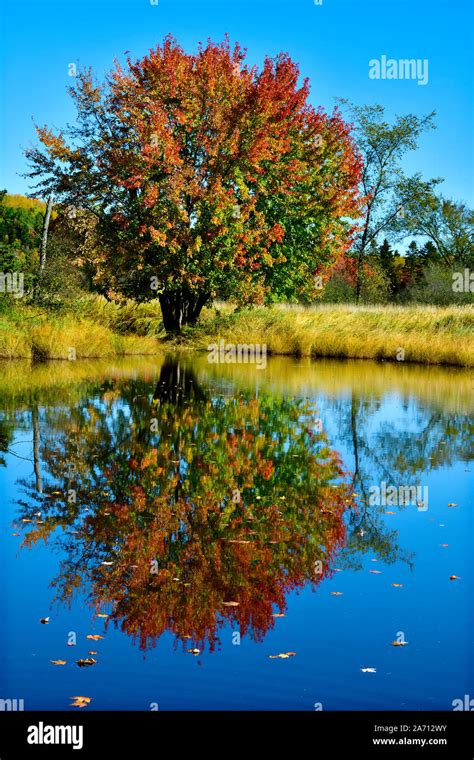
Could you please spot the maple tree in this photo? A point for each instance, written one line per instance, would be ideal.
(204, 176)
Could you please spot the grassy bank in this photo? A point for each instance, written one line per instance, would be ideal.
(425, 334)
(95, 328)
(31, 334)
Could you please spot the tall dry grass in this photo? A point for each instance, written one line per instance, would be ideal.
(426, 334)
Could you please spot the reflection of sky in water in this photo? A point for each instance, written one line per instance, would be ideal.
(333, 636)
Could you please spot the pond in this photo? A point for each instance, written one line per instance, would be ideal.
(211, 536)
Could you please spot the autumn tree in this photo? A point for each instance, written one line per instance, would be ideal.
(197, 169)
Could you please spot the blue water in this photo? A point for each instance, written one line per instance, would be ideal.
(333, 636)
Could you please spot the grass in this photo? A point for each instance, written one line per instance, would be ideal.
(33, 334)
(96, 328)
(424, 334)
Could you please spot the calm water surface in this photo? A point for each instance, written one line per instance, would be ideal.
(171, 505)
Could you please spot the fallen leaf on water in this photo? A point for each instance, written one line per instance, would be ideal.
(399, 643)
(80, 701)
(390, 513)
(278, 614)
(194, 651)
(368, 670)
(452, 504)
(102, 615)
(45, 621)
(94, 636)
(58, 662)
(230, 604)
(15, 534)
(397, 585)
(454, 578)
(281, 656)
(375, 572)
(25, 520)
(87, 662)
(337, 593)
(91, 651)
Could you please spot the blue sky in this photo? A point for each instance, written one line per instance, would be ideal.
(332, 43)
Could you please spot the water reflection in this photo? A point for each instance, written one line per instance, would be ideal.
(181, 509)
(182, 500)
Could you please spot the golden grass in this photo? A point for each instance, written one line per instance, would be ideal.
(35, 336)
(99, 329)
(425, 334)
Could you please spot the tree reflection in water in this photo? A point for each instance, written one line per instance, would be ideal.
(174, 503)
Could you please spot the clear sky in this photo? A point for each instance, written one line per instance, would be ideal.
(332, 43)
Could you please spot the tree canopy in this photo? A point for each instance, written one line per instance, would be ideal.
(205, 177)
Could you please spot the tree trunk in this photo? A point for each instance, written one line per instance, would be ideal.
(181, 307)
(44, 237)
(358, 287)
(36, 456)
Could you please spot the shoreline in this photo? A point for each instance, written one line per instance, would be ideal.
(424, 335)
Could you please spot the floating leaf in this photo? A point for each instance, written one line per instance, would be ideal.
(337, 593)
(278, 614)
(91, 651)
(368, 670)
(454, 578)
(102, 615)
(194, 651)
(80, 701)
(397, 585)
(281, 656)
(399, 643)
(375, 572)
(452, 504)
(94, 636)
(390, 513)
(87, 662)
(58, 662)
